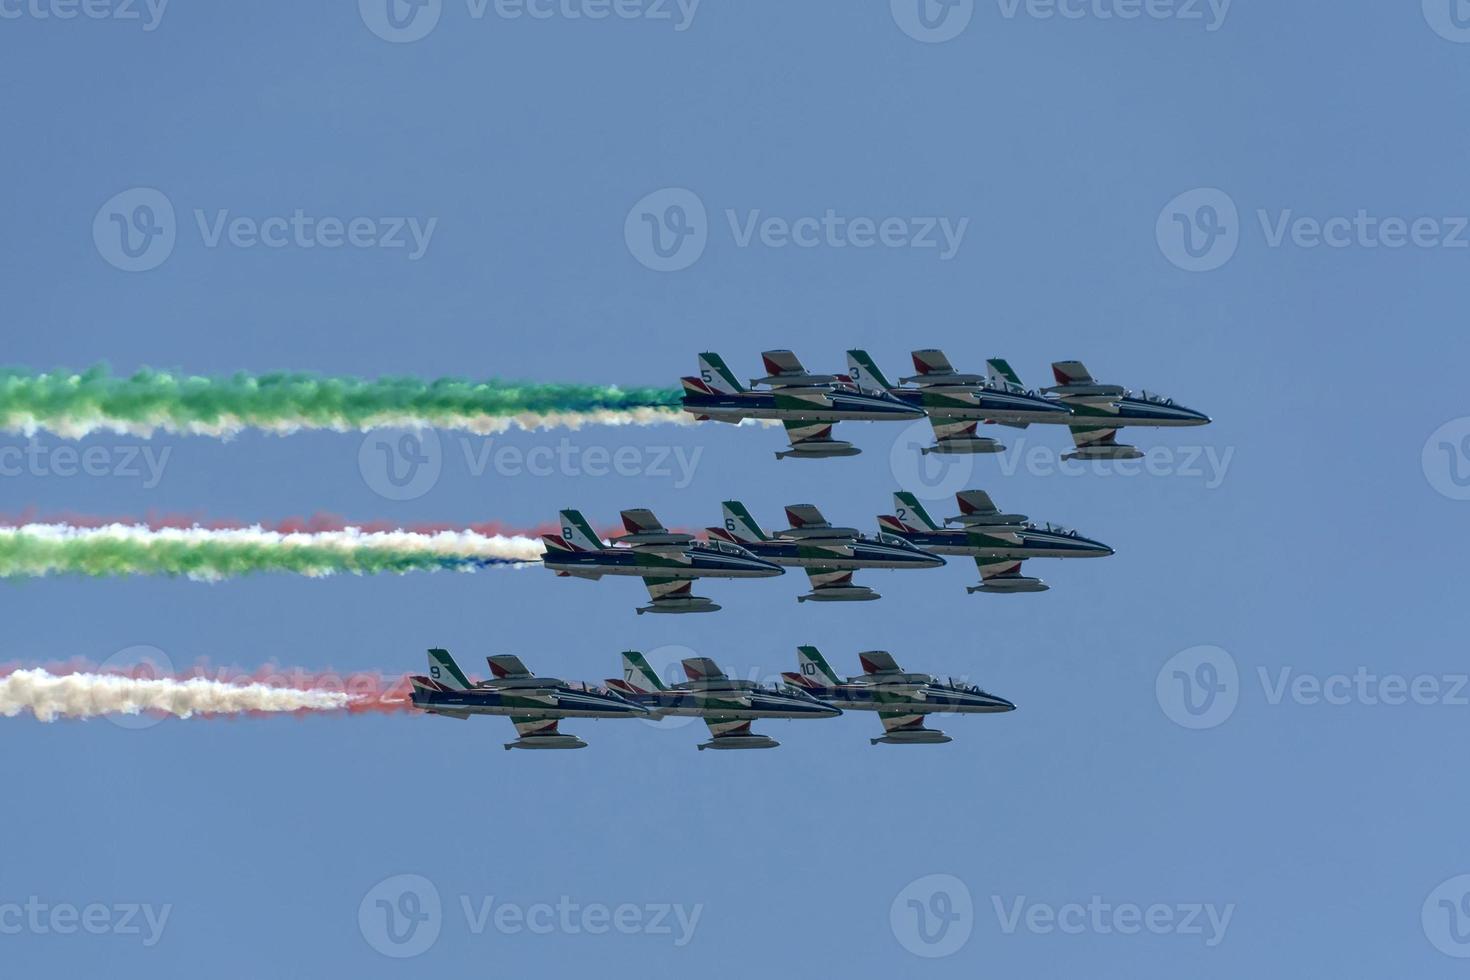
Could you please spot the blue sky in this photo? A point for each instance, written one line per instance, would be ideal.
(1331, 832)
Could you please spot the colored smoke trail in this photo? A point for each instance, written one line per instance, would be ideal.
(211, 554)
(53, 694)
(75, 405)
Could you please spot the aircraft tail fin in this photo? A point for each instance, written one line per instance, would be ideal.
(444, 671)
(713, 372)
(1001, 373)
(639, 675)
(814, 669)
(740, 525)
(865, 374)
(912, 513)
(576, 533)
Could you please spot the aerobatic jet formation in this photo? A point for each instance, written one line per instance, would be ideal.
(901, 699)
(829, 554)
(955, 403)
(807, 404)
(998, 542)
(535, 705)
(728, 706)
(667, 561)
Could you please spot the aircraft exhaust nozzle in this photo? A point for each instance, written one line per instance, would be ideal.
(923, 736)
(957, 447)
(739, 742)
(546, 742)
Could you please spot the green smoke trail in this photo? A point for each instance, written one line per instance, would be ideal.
(25, 556)
(97, 399)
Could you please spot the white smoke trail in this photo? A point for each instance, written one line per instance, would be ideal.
(211, 554)
(50, 697)
(228, 426)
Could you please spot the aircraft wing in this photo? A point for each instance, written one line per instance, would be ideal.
(901, 720)
(668, 588)
(829, 578)
(799, 432)
(1090, 436)
(534, 726)
(950, 428)
(723, 727)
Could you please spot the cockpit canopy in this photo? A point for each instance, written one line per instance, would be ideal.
(1154, 398)
(724, 548)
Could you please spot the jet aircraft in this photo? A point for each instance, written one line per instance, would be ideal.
(807, 404)
(535, 704)
(727, 706)
(900, 698)
(998, 542)
(1099, 410)
(956, 403)
(829, 554)
(667, 561)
